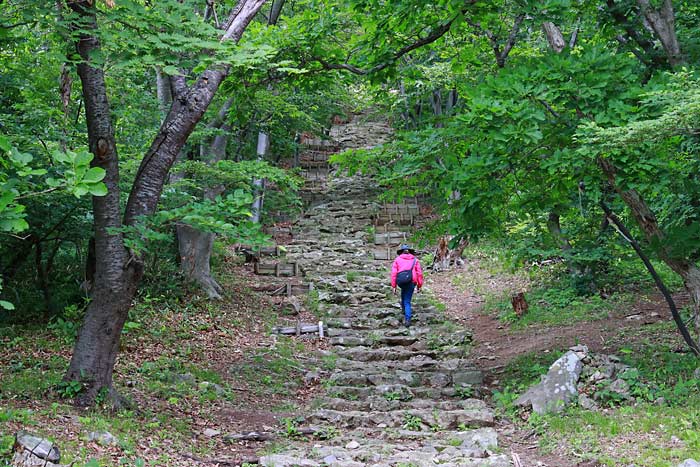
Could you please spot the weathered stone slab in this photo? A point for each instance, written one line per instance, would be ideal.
(31, 451)
(558, 387)
(478, 417)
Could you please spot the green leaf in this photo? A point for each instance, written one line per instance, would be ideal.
(83, 159)
(5, 144)
(80, 190)
(94, 175)
(171, 70)
(98, 189)
(6, 305)
(20, 158)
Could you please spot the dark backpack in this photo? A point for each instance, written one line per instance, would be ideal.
(405, 277)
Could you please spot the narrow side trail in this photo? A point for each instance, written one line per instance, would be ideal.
(397, 396)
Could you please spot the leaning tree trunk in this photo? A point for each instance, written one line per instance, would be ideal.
(648, 224)
(116, 277)
(118, 273)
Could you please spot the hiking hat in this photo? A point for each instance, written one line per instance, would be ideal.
(405, 247)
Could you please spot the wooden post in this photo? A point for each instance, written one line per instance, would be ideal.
(277, 269)
(320, 329)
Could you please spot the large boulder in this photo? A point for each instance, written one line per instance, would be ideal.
(558, 387)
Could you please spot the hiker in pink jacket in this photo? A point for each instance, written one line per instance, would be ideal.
(407, 274)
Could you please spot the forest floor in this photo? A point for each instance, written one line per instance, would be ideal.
(195, 371)
(198, 371)
(471, 294)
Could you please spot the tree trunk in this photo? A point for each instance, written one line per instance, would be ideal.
(195, 249)
(451, 100)
(554, 36)
(163, 91)
(263, 138)
(576, 271)
(259, 184)
(116, 277)
(663, 22)
(195, 246)
(186, 111)
(649, 225)
(117, 273)
(275, 11)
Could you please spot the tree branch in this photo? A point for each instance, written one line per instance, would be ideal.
(436, 34)
(510, 42)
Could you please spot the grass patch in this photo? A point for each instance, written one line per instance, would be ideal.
(646, 434)
(559, 307)
(275, 370)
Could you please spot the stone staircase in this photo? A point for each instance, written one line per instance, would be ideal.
(397, 396)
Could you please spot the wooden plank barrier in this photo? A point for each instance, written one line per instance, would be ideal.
(389, 227)
(390, 238)
(279, 230)
(383, 254)
(399, 219)
(316, 174)
(260, 251)
(277, 269)
(403, 208)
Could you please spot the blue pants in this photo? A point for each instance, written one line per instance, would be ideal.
(406, 295)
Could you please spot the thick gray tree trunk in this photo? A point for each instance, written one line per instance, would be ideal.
(554, 36)
(195, 246)
(118, 272)
(663, 23)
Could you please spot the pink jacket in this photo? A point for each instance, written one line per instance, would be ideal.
(402, 263)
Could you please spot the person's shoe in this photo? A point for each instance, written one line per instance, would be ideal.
(407, 322)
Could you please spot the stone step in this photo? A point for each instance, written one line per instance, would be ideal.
(364, 392)
(470, 448)
(371, 324)
(419, 363)
(368, 354)
(384, 404)
(418, 418)
(428, 377)
(372, 341)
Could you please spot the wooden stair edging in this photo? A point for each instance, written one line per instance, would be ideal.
(302, 328)
(278, 269)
